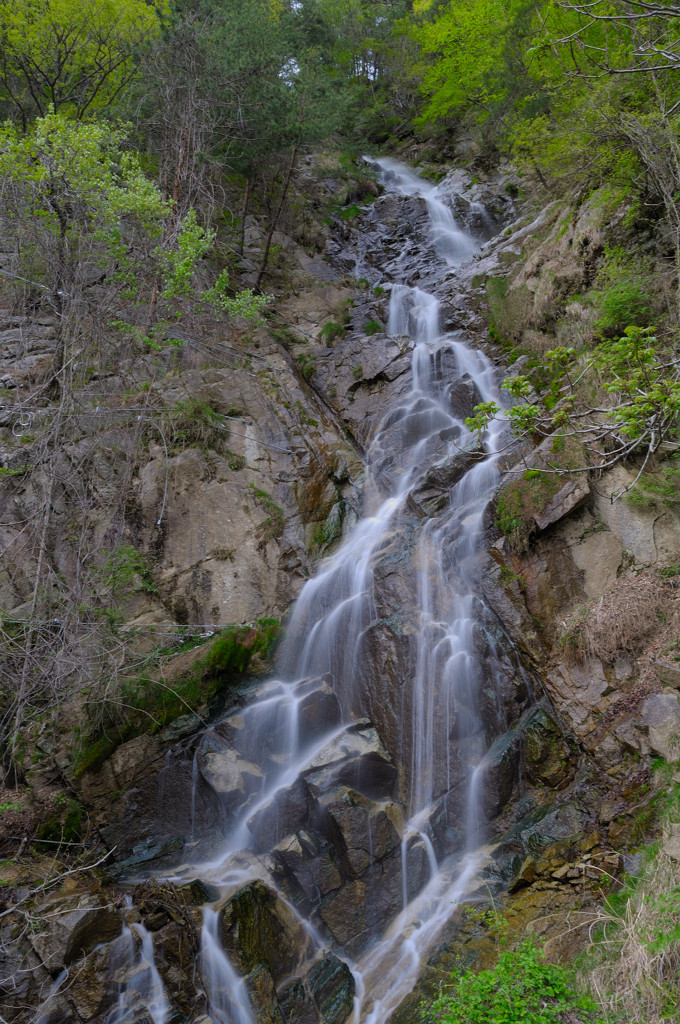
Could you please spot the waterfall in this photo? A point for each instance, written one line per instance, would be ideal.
(139, 983)
(323, 709)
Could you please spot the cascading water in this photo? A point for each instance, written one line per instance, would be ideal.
(310, 736)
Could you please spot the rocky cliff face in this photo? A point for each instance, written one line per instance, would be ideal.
(235, 526)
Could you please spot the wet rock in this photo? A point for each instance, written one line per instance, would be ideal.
(546, 754)
(319, 712)
(308, 867)
(269, 946)
(356, 759)
(286, 812)
(464, 396)
(431, 494)
(75, 934)
(360, 909)
(295, 1004)
(148, 854)
(366, 829)
(198, 892)
(261, 931)
(525, 875)
(499, 772)
(547, 825)
(230, 775)
(332, 986)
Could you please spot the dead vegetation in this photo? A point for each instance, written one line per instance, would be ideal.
(634, 968)
(624, 620)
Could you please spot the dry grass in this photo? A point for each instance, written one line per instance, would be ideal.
(624, 620)
(636, 972)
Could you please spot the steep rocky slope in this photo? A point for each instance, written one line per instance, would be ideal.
(235, 523)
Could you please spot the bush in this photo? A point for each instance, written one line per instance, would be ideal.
(521, 989)
(622, 297)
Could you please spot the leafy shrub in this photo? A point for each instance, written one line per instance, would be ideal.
(522, 987)
(622, 295)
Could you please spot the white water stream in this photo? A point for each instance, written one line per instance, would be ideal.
(326, 638)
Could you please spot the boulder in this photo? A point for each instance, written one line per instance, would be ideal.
(332, 986)
(575, 492)
(73, 935)
(230, 775)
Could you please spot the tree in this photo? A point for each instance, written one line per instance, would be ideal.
(87, 221)
(70, 55)
(639, 380)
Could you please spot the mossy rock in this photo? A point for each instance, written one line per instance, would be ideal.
(158, 698)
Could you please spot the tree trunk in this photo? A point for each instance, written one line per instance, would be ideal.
(275, 220)
(244, 214)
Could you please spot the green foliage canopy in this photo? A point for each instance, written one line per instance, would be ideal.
(75, 55)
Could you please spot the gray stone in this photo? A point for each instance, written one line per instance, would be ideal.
(598, 556)
(659, 725)
(431, 495)
(668, 673)
(230, 775)
(574, 493)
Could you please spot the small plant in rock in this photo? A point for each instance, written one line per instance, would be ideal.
(126, 571)
(195, 424)
(274, 524)
(330, 331)
(357, 371)
(372, 327)
(306, 365)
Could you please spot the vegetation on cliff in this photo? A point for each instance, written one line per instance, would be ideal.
(140, 142)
